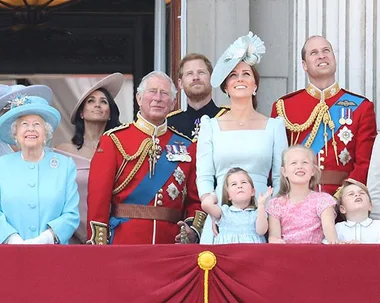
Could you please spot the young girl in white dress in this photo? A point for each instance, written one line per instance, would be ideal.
(239, 220)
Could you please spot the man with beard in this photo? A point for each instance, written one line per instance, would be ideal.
(194, 78)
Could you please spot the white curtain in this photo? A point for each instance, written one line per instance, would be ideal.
(68, 90)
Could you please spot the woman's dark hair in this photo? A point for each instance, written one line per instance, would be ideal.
(257, 80)
(79, 122)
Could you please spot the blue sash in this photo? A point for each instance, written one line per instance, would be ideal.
(148, 187)
(352, 102)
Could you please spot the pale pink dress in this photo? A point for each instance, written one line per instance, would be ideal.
(301, 222)
(83, 168)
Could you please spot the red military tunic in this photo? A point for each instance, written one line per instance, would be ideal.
(178, 192)
(354, 140)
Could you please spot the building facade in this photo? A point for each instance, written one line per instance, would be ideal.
(350, 25)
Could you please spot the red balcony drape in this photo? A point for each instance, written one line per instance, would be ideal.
(170, 273)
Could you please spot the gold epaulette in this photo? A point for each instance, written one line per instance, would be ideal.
(181, 134)
(117, 128)
(173, 113)
(223, 110)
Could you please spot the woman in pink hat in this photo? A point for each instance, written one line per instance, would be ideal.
(94, 113)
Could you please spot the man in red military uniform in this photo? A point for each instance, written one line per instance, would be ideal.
(142, 177)
(338, 125)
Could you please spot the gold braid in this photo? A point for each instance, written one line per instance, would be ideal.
(316, 116)
(320, 113)
(141, 153)
(323, 109)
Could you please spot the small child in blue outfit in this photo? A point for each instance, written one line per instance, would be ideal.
(239, 220)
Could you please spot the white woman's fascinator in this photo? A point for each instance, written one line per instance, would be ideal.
(249, 48)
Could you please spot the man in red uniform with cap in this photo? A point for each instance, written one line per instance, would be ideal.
(338, 125)
(142, 177)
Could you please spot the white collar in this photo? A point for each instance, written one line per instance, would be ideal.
(236, 209)
(367, 222)
(148, 128)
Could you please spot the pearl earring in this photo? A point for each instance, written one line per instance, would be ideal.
(227, 95)
(254, 93)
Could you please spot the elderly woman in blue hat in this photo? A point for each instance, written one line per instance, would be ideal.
(242, 137)
(38, 192)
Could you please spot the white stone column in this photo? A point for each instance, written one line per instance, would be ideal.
(270, 21)
(159, 35)
(350, 26)
(212, 25)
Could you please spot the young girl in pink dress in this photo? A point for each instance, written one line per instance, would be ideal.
(298, 214)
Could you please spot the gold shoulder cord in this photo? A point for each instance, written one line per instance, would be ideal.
(320, 113)
(222, 111)
(142, 152)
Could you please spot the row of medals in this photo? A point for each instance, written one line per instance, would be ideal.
(345, 134)
(175, 152)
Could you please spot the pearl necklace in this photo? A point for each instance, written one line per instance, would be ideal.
(39, 159)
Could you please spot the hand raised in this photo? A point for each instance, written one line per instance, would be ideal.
(263, 198)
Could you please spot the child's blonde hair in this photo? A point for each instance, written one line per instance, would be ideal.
(284, 182)
(234, 170)
(347, 183)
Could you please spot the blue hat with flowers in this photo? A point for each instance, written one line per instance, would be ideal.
(25, 100)
(249, 48)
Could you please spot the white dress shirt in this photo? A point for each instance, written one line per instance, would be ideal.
(367, 231)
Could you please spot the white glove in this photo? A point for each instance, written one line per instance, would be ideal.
(44, 238)
(15, 239)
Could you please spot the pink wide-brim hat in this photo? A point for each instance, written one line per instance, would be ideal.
(111, 83)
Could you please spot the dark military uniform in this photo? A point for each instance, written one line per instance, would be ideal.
(188, 122)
